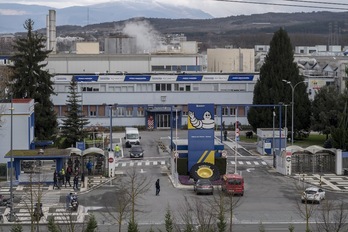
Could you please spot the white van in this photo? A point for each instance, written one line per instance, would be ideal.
(132, 136)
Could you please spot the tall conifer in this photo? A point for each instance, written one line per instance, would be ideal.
(73, 124)
(30, 80)
(271, 90)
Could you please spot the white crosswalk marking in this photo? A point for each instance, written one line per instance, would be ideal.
(248, 162)
(147, 163)
(123, 164)
(257, 163)
(131, 164)
(163, 162)
(240, 162)
(264, 163)
(154, 162)
(232, 162)
(139, 163)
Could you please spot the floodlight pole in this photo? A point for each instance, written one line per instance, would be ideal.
(292, 106)
(11, 218)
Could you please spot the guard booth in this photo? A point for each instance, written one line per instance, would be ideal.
(269, 139)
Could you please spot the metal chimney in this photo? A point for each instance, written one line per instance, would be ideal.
(51, 31)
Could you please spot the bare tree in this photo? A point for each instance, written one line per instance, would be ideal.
(332, 216)
(305, 207)
(197, 216)
(121, 203)
(224, 203)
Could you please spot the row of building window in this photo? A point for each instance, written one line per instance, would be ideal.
(163, 87)
(130, 111)
(176, 68)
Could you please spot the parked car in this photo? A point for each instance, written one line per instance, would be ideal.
(313, 194)
(203, 186)
(136, 151)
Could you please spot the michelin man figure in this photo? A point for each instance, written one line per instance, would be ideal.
(205, 123)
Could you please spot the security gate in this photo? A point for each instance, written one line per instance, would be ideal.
(305, 162)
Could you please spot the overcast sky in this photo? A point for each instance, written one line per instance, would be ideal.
(217, 8)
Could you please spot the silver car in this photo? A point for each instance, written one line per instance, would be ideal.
(313, 194)
(203, 186)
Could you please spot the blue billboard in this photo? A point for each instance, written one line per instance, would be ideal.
(200, 134)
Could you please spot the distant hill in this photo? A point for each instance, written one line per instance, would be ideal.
(304, 29)
(15, 14)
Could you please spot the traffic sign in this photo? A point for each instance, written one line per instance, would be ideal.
(288, 158)
(111, 160)
(176, 155)
(224, 153)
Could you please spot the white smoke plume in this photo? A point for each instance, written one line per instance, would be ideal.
(148, 40)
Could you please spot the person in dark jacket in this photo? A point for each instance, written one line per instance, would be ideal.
(83, 180)
(158, 188)
(67, 179)
(76, 182)
(55, 180)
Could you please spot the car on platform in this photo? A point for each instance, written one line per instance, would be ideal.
(136, 151)
(203, 186)
(313, 195)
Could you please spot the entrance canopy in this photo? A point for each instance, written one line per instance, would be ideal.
(93, 151)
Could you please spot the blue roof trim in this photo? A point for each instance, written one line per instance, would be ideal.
(86, 78)
(189, 78)
(137, 78)
(240, 77)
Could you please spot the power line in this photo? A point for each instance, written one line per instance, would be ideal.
(292, 5)
(315, 2)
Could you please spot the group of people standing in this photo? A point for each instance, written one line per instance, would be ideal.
(63, 177)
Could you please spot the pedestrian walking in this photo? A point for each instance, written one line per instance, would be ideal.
(67, 179)
(76, 182)
(158, 189)
(76, 164)
(55, 180)
(225, 135)
(83, 180)
(117, 151)
(63, 175)
(89, 166)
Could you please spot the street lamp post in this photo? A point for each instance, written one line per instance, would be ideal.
(292, 106)
(111, 107)
(11, 218)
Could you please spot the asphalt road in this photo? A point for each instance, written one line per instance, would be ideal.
(270, 199)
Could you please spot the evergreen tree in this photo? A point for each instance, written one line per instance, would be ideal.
(52, 226)
(29, 80)
(17, 228)
(168, 221)
(92, 224)
(326, 108)
(72, 128)
(339, 134)
(133, 226)
(271, 90)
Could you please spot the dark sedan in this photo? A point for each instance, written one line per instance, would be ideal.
(203, 186)
(136, 151)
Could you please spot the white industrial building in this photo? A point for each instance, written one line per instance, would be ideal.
(17, 123)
